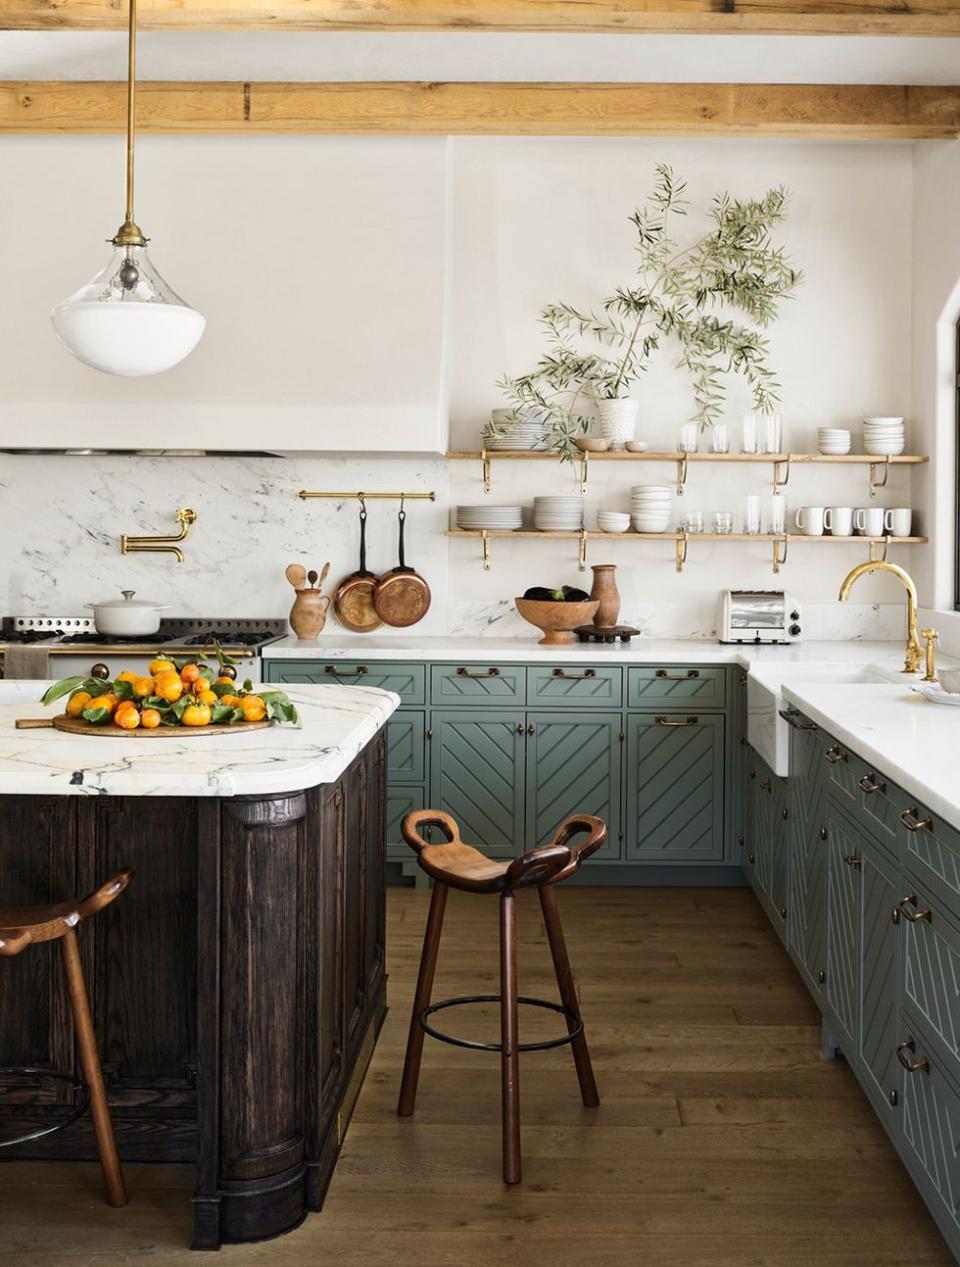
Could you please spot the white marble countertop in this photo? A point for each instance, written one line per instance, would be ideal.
(638, 651)
(337, 725)
(911, 741)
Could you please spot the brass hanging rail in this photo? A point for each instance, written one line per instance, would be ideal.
(368, 497)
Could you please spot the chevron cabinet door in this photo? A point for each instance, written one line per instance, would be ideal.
(931, 1130)
(573, 767)
(807, 894)
(675, 767)
(763, 829)
(880, 940)
(843, 911)
(406, 732)
(477, 772)
(931, 968)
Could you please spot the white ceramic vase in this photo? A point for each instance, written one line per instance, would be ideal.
(617, 420)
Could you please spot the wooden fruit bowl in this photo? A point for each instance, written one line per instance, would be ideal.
(556, 620)
(77, 726)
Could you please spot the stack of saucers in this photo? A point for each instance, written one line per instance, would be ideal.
(833, 441)
(558, 514)
(883, 436)
(516, 431)
(493, 518)
(650, 507)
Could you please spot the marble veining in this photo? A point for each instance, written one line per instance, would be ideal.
(336, 726)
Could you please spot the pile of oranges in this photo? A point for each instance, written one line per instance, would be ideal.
(147, 699)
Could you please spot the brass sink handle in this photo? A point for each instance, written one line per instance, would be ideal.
(930, 637)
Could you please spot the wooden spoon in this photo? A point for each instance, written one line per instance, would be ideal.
(296, 575)
(312, 578)
(324, 574)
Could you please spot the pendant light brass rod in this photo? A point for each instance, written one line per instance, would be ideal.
(131, 102)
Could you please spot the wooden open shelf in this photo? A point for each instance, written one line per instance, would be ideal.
(789, 537)
(618, 455)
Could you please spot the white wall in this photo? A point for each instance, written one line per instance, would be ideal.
(322, 237)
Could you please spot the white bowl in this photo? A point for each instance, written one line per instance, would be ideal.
(950, 680)
(613, 523)
(884, 448)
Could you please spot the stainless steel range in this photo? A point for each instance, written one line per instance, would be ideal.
(59, 646)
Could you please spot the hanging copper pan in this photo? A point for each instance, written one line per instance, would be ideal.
(353, 601)
(402, 596)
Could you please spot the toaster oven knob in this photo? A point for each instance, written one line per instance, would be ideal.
(794, 615)
(794, 631)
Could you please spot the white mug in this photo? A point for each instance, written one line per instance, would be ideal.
(897, 522)
(809, 520)
(838, 520)
(869, 520)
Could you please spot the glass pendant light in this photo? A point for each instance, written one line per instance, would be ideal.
(127, 320)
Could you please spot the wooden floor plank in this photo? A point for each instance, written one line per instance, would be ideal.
(722, 1139)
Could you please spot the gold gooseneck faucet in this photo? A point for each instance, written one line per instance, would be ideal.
(913, 651)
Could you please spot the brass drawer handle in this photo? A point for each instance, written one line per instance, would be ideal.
(912, 1066)
(854, 859)
(766, 785)
(834, 754)
(913, 823)
(918, 913)
(462, 672)
(669, 721)
(677, 677)
(870, 783)
(793, 717)
(574, 677)
(335, 672)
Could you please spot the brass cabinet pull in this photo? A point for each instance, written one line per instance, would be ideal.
(574, 677)
(834, 754)
(677, 677)
(742, 679)
(531, 728)
(870, 783)
(462, 672)
(753, 774)
(918, 913)
(823, 832)
(912, 1066)
(793, 717)
(895, 915)
(766, 785)
(750, 859)
(913, 823)
(668, 721)
(853, 859)
(520, 727)
(335, 672)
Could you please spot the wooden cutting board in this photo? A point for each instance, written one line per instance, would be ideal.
(77, 726)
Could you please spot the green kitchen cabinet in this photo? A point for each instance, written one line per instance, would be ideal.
(807, 894)
(878, 943)
(573, 763)
(409, 681)
(843, 909)
(675, 786)
(779, 825)
(478, 775)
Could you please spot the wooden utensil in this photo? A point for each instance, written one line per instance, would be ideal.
(402, 596)
(77, 726)
(312, 578)
(296, 575)
(353, 601)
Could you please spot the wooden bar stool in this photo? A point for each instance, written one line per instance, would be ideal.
(457, 865)
(22, 926)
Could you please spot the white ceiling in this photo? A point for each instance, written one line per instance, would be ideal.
(347, 55)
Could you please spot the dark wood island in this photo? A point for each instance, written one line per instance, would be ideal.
(238, 988)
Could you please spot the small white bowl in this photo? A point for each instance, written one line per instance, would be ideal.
(950, 680)
(612, 521)
(636, 446)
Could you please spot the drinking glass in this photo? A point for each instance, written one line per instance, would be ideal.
(751, 513)
(688, 437)
(777, 514)
(693, 520)
(723, 522)
(751, 430)
(771, 429)
(720, 438)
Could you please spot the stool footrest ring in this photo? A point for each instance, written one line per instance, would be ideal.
(40, 1071)
(574, 1032)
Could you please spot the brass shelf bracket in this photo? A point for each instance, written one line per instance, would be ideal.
(681, 474)
(582, 563)
(584, 464)
(486, 469)
(164, 544)
(781, 476)
(878, 550)
(486, 551)
(780, 559)
(877, 484)
(306, 494)
(682, 543)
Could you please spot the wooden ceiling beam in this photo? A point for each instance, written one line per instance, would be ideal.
(491, 109)
(771, 17)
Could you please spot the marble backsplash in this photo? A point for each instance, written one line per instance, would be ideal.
(61, 519)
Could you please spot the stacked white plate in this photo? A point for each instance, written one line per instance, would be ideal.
(558, 514)
(612, 521)
(833, 441)
(650, 507)
(883, 436)
(525, 432)
(493, 518)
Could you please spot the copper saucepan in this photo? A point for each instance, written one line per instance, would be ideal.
(353, 601)
(402, 596)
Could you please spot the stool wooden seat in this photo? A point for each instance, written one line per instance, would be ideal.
(23, 926)
(453, 864)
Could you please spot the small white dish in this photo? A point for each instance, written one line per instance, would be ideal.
(935, 693)
(636, 446)
(949, 680)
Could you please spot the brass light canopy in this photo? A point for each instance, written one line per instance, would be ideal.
(128, 320)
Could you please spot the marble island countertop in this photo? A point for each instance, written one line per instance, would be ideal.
(638, 651)
(336, 726)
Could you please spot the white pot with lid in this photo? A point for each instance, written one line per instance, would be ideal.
(127, 617)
